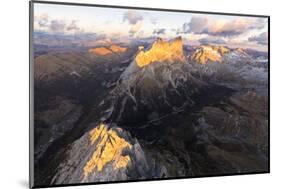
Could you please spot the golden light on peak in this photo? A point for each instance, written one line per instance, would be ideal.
(108, 149)
(209, 53)
(161, 51)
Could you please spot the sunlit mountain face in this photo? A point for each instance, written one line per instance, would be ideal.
(161, 51)
(125, 95)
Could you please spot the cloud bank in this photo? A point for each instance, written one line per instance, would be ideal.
(222, 27)
(261, 39)
(45, 23)
(212, 40)
(159, 31)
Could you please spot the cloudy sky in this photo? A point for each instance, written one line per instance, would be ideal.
(233, 31)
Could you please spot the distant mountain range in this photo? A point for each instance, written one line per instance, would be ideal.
(95, 40)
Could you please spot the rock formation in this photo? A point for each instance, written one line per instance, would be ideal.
(161, 51)
(106, 154)
(207, 54)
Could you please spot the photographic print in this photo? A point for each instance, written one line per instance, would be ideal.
(122, 94)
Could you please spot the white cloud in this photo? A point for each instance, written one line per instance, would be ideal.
(222, 27)
(132, 17)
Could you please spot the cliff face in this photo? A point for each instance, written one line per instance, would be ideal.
(106, 154)
(109, 147)
(162, 51)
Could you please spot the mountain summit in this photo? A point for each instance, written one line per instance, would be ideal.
(220, 54)
(106, 153)
(208, 53)
(161, 51)
(158, 81)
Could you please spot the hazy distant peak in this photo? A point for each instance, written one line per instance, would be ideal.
(117, 49)
(241, 51)
(108, 50)
(100, 51)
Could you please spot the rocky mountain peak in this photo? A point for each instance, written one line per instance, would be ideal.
(109, 146)
(207, 53)
(106, 153)
(161, 51)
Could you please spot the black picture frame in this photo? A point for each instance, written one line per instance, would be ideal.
(31, 88)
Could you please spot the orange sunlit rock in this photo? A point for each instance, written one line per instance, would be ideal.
(117, 49)
(109, 147)
(107, 51)
(221, 49)
(161, 51)
(100, 51)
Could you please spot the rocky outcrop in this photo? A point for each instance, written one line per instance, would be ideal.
(162, 51)
(106, 154)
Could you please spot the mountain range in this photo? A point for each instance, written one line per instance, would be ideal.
(146, 111)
